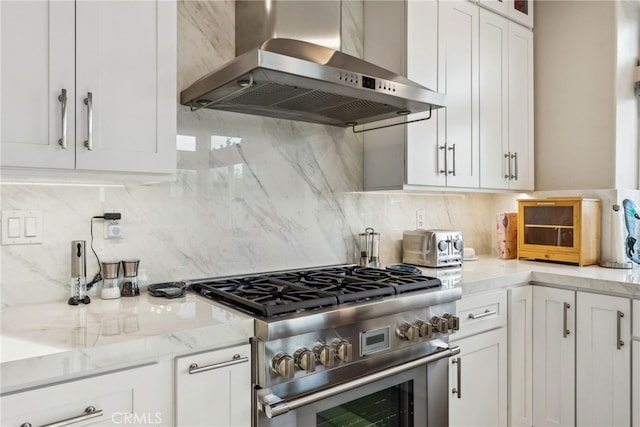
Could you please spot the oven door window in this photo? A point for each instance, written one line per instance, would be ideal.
(391, 407)
(397, 401)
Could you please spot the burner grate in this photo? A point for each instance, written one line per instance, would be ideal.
(272, 294)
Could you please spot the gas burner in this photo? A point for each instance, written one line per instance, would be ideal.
(272, 294)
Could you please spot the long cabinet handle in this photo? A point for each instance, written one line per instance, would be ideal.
(444, 149)
(89, 413)
(453, 153)
(486, 313)
(565, 329)
(508, 157)
(458, 389)
(619, 343)
(514, 156)
(88, 101)
(195, 369)
(63, 101)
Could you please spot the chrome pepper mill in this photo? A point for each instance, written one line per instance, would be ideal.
(78, 274)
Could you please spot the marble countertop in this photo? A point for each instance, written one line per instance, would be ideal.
(42, 343)
(491, 273)
(46, 342)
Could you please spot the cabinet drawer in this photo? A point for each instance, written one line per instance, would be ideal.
(479, 313)
(635, 329)
(117, 398)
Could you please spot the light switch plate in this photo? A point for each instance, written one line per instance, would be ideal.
(21, 227)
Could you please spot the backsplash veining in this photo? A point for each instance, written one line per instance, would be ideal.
(251, 194)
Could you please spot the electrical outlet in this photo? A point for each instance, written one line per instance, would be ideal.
(419, 219)
(114, 229)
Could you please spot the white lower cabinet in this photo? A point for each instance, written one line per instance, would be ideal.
(137, 396)
(635, 406)
(603, 360)
(478, 375)
(581, 358)
(520, 315)
(214, 388)
(553, 357)
(635, 367)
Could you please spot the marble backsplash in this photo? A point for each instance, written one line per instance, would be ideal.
(251, 194)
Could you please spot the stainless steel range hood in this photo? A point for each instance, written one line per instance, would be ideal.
(298, 80)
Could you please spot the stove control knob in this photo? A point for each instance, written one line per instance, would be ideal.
(305, 359)
(454, 321)
(343, 350)
(325, 355)
(457, 243)
(425, 329)
(442, 245)
(409, 332)
(283, 365)
(440, 324)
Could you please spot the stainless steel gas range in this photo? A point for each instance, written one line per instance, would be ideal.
(345, 345)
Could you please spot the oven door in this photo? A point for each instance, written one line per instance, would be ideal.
(412, 394)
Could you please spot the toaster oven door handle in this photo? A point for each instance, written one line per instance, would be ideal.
(274, 406)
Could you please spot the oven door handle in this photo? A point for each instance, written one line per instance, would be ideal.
(273, 406)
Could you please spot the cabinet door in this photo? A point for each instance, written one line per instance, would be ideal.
(521, 11)
(603, 360)
(37, 62)
(423, 157)
(520, 356)
(126, 59)
(218, 395)
(521, 107)
(139, 396)
(636, 380)
(500, 6)
(479, 375)
(458, 79)
(553, 357)
(494, 121)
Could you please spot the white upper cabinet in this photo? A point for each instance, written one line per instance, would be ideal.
(506, 104)
(116, 60)
(37, 59)
(458, 78)
(521, 11)
(499, 6)
(483, 63)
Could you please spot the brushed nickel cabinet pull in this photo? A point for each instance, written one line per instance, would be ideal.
(565, 330)
(508, 157)
(89, 413)
(486, 313)
(458, 389)
(514, 156)
(444, 149)
(63, 100)
(195, 369)
(453, 153)
(88, 101)
(619, 343)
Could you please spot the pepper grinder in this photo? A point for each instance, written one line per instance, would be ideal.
(129, 286)
(78, 274)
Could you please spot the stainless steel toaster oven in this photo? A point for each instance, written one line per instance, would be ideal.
(432, 248)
